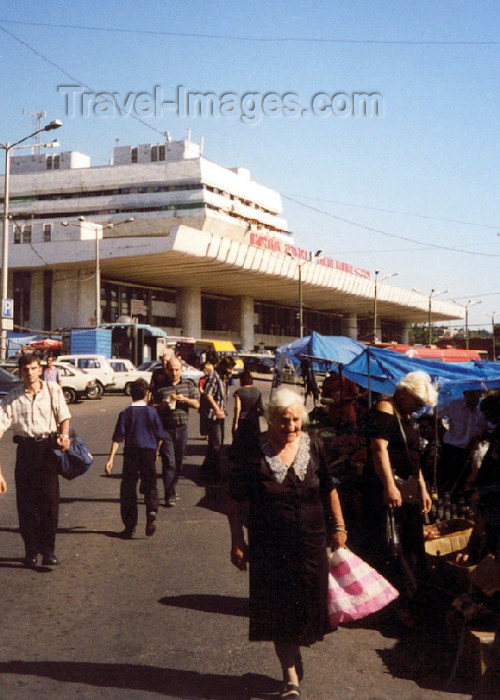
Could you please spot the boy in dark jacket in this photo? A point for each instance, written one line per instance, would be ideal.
(143, 432)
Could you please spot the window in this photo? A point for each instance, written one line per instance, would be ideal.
(52, 162)
(133, 155)
(26, 234)
(157, 153)
(47, 233)
(17, 235)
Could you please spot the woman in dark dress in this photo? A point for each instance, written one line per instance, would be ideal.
(394, 449)
(294, 513)
(247, 410)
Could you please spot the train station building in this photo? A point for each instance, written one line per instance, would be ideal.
(185, 244)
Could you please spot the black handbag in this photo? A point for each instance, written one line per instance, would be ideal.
(410, 487)
(393, 540)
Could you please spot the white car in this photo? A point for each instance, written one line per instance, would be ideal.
(96, 365)
(126, 373)
(188, 372)
(76, 383)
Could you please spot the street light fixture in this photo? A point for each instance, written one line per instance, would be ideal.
(8, 147)
(429, 315)
(98, 232)
(377, 280)
(466, 307)
(300, 264)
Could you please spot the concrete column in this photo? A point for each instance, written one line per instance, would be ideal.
(350, 326)
(405, 332)
(73, 299)
(36, 310)
(189, 311)
(246, 323)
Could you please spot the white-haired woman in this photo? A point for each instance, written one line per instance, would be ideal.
(294, 513)
(394, 449)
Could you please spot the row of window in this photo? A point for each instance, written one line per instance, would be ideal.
(139, 189)
(158, 308)
(151, 189)
(111, 212)
(23, 234)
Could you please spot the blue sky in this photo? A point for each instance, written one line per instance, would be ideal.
(414, 190)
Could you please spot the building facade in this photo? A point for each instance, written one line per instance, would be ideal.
(180, 242)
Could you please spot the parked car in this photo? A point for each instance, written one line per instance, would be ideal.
(10, 366)
(188, 372)
(146, 366)
(7, 381)
(126, 373)
(97, 365)
(77, 383)
(258, 362)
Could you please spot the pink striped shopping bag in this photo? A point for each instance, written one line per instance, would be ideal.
(355, 590)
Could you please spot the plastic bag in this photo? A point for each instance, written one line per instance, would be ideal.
(355, 589)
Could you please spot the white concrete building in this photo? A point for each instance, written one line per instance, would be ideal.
(207, 254)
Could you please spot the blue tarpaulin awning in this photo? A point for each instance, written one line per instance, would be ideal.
(380, 370)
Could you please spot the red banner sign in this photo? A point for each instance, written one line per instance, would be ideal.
(302, 254)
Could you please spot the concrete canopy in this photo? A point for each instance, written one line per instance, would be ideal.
(187, 257)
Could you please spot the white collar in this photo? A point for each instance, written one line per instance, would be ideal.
(279, 469)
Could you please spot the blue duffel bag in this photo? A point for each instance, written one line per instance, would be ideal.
(76, 460)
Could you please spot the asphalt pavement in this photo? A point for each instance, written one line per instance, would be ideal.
(167, 615)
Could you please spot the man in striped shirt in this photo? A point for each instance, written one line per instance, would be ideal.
(215, 393)
(173, 402)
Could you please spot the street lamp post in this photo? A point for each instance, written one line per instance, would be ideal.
(98, 233)
(375, 299)
(429, 314)
(8, 147)
(493, 335)
(300, 264)
(466, 307)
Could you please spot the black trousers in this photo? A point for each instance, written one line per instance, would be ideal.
(212, 462)
(137, 463)
(37, 494)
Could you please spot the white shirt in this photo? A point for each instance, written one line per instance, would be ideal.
(465, 423)
(32, 415)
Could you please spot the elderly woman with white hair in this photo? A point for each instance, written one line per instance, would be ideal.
(294, 513)
(394, 451)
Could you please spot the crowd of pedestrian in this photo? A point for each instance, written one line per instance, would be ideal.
(283, 503)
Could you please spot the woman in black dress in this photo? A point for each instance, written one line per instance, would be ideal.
(247, 410)
(394, 449)
(294, 513)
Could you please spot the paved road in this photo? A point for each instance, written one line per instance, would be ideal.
(166, 616)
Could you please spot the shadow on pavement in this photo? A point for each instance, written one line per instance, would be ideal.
(165, 681)
(67, 499)
(225, 605)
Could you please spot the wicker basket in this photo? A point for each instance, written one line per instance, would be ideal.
(454, 536)
(441, 552)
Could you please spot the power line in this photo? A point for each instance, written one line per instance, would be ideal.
(391, 235)
(395, 211)
(259, 39)
(71, 77)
